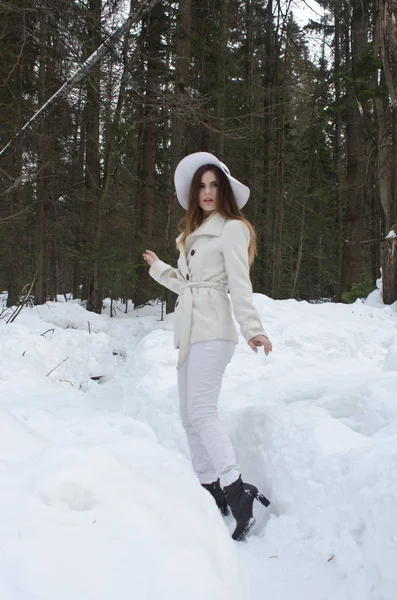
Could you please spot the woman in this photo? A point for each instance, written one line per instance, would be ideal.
(216, 247)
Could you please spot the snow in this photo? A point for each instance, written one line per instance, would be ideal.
(97, 497)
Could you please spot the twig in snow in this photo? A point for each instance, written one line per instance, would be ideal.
(61, 363)
(43, 334)
(5, 312)
(22, 304)
(89, 327)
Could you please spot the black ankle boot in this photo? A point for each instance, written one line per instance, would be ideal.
(217, 493)
(240, 496)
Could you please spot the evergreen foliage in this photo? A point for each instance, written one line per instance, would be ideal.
(361, 289)
(309, 127)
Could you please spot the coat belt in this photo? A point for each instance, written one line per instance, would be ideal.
(186, 311)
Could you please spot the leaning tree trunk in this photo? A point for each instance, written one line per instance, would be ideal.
(389, 267)
(104, 48)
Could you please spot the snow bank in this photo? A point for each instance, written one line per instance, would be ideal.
(311, 424)
(98, 499)
(91, 505)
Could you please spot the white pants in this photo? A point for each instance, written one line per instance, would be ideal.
(199, 384)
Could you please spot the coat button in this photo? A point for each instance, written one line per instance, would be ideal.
(187, 277)
(193, 252)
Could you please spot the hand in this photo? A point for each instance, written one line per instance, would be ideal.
(261, 340)
(150, 257)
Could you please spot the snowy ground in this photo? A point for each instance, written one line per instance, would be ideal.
(97, 498)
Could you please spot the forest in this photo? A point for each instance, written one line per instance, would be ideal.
(304, 115)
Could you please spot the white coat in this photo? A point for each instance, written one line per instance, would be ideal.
(212, 261)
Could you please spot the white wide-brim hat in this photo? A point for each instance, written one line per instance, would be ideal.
(187, 168)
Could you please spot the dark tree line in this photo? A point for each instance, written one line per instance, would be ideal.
(310, 129)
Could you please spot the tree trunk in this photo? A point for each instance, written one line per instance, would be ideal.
(44, 180)
(183, 41)
(266, 210)
(221, 75)
(77, 202)
(149, 143)
(384, 170)
(253, 150)
(337, 150)
(92, 209)
(12, 260)
(279, 205)
(300, 254)
(389, 267)
(356, 162)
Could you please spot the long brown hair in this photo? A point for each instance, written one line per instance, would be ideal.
(227, 207)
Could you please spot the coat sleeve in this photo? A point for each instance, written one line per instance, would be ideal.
(235, 240)
(166, 276)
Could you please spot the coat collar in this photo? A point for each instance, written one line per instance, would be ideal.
(211, 226)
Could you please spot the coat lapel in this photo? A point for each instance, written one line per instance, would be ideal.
(212, 226)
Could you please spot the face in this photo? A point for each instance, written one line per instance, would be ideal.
(208, 194)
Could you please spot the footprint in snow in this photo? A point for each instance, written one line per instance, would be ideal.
(71, 494)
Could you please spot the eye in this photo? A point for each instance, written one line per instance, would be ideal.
(214, 184)
(202, 185)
